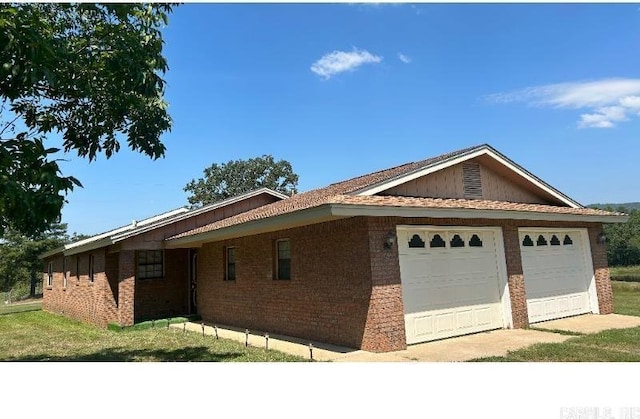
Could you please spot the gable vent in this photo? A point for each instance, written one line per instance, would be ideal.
(471, 180)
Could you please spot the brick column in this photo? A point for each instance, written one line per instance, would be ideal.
(384, 329)
(126, 288)
(601, 271)
(515, 277)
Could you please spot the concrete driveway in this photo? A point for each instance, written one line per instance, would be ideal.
(462, 348)
(590, 323)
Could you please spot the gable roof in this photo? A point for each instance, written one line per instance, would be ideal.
(148, 224)
(357, 194)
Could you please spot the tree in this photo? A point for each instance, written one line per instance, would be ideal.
(90, 72)
(623, 240)
(19, 261)
(222, 181)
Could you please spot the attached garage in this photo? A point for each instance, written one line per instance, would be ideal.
(453, 281)
(558, 273)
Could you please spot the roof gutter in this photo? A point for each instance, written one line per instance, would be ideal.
(348, 210)
(327, 212)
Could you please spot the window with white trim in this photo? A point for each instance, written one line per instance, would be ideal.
(283, 259)
(230, 264)
(150, 264)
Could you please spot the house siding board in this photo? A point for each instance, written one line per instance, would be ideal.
(326, 299)
(164, 297)
(449, 183)
(498, 188)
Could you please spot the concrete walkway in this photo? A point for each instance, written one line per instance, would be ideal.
(462, 348)
(590, 323)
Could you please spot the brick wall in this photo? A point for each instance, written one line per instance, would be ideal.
(327, 298)
(163, 297)
(81, 299)
(601, 271)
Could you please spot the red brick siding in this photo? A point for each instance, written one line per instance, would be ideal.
(127, 287)
(385, 328)
(327, 298)
(87, 301)
(163, 297)
(515, 277)
(601, 271)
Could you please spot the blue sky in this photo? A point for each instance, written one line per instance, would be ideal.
(340, 90)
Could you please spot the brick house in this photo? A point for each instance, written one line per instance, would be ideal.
(461, 243)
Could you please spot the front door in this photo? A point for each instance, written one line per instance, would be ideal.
(193, 282)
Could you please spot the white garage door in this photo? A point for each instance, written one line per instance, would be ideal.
(453, 281)
(558, 274)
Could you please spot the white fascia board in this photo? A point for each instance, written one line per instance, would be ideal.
(198, 211)
(345, 210)
(484, 150)
(281, 222)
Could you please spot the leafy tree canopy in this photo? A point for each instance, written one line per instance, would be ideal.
(623, 240)
(222, 181)
(19, 255)
(89, 72)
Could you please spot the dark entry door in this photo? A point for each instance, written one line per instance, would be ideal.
(193, 282)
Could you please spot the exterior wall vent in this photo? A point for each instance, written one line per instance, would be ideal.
(471, 180)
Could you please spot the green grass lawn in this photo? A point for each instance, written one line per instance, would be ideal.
(625, 273)
(42, 336)
(606, 346)
(20, 307)
(626, 298)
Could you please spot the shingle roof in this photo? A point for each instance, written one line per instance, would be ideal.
(340, 193)
(319, 196)
(479, 204)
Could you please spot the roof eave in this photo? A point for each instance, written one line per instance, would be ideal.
(354, 210)
(280, 222)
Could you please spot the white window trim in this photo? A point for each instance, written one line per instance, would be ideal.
(50, 275)
(65, 267)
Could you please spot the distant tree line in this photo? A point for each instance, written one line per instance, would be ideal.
(20, 268)
(623, 239)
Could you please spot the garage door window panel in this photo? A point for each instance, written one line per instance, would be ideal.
(437, 241)
(475, 241)
(457, 241)
(567, 240)
(416, 241)
(527, 241)
(555, 241)
(541, 241)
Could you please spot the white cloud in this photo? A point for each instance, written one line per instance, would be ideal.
(340, 61)
(607, 101)
(404, 58)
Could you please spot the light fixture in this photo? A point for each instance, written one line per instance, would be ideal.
(602, 238)
(390, 240)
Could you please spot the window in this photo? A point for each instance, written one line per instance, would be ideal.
(555, 241)
(541, 241)
(78, 268)
(457, 241)
(230, 264)
(50, 275)
(64, 272)
(416, 241)
(567, 240)
(527, 241)
(475, 241)
(437, 241)
(283, 260)
(150, 264)
(91, 268)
